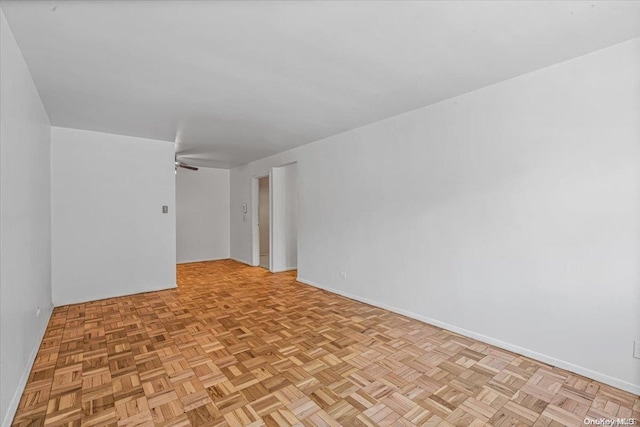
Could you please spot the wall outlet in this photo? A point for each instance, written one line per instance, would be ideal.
(636, 349)
(37, 311)
(343, 275)
(165, 209)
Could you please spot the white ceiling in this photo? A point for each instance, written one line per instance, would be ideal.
(232, 82)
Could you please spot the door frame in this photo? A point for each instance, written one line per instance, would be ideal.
(255, 218)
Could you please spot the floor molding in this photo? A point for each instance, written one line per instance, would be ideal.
(109, 296)
(201, 260)
(17, 394)
(598, 376)
(285, 269)
(243, 261)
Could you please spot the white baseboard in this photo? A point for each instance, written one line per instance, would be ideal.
(242, 261)
(108, 295)
(598, 376)
(201, 260)
(15, 400)
(285, 269)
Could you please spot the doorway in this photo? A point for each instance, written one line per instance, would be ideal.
(263, 221)
(274, 219)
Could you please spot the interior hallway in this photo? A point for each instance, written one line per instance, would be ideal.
(236, 345)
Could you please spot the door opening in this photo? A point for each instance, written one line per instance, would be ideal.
(263, 221)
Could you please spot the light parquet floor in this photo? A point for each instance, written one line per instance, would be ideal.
(238, 346)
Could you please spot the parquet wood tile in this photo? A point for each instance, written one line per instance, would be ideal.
(238, 346)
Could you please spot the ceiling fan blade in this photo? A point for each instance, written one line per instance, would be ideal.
(193, 168)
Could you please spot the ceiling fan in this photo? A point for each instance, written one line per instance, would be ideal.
(179, 164)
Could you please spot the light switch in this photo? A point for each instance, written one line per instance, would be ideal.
(165, 209)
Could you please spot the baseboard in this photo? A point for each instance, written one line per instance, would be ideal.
(252, 265)
(285, 269)
(109, 296)
(201, 260)
(15, 400)
(598, 376)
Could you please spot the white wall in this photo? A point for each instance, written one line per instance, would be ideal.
(25, 227)
(285, 221)
(109, 235)
(202, 210)
(263, 214)
(291, 216)
(511, 213)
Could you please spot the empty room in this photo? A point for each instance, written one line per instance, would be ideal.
(319, 213)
